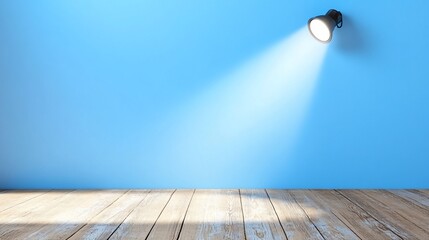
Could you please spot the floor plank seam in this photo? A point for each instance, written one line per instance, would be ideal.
(412, 222)
(306, 214)
(117, 227)
(409, 201)
(275, 211)
(25, 200)
(186, 213)
(418, 192)
(153, 225)
(242, 214)
(97, 214)
(369, 213)
(345, 224)
(365, 211)
(333, 214)
(421, 192)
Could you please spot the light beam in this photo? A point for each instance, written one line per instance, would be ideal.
(247, 121)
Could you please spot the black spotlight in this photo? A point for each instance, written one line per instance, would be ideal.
(322, 27)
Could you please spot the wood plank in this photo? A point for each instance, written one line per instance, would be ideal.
(71, 214)
(214, 214)
(412, 212)
(385, 215)
(359, 221)
(34, 220)
(329, 225)
(415, 197)
(294, 220)
(260, 219)
(169, 223)
(106, 222)
(27, 215)
(10, 199)
(422, 191)
(140, 222)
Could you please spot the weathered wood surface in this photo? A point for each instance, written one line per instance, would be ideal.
(356, 218)
(292, 217)
(9, 199)
(106, 222)
(169, 224)
(413, 213)
(328, 224)
(413, 196)
(386, 215)
(260, 218)
(57, 214)
(140, 222)
(215, 214)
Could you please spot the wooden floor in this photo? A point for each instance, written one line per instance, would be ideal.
(215, 214)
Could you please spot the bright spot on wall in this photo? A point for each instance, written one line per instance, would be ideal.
(256, 109)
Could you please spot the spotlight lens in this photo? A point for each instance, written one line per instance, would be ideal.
(320, 30)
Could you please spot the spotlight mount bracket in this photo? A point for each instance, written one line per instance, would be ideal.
(337, 16)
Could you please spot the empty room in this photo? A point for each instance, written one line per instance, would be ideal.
(235, 120)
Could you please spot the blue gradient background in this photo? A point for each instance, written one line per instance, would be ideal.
(83, 83)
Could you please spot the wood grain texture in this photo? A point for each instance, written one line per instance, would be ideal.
(326, 222)
(359, 221)
(260, 219)
(214, 214)
(62, 218)
(292, 217)
(106, 222)
(169, 223)
(418, 215)
(10, 199)
(141, 221)
(386, 215)
(424, 192)
(413, 196)
(29, 215)
(71, 214)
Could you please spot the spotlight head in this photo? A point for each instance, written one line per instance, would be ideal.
(322, 27)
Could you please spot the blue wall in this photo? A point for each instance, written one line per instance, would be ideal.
(85, 84)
